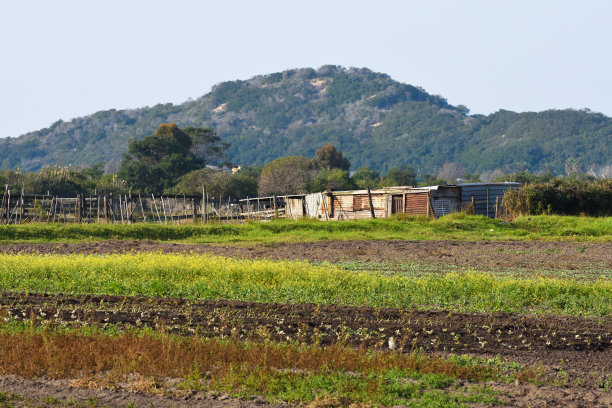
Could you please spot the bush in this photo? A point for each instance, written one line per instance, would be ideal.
(568, 197)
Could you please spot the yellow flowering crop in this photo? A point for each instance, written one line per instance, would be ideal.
(212, 277)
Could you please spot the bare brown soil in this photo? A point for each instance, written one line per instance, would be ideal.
(481, 254)
(44, 392)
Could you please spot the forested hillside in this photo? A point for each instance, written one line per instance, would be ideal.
(374, 120)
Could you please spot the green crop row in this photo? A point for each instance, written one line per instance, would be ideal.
(456, 226)
(210, 277)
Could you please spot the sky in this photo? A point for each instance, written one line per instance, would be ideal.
(63, 59)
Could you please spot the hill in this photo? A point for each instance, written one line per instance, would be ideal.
(374, 120)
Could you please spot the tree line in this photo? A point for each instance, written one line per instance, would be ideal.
(176, 161)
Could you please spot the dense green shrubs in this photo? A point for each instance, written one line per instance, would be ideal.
(569, 197)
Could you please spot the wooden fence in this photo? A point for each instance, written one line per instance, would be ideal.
(18, 208)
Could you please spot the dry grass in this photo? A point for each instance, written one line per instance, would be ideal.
(73, 355)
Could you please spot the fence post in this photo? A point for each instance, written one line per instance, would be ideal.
(131, 205)
(144, 217)
(496, 206)
(156, 210)
(2, 212)
(372, 213)
(205, 205)
(111, 212)
(105, 210)
(274, 204)
(21, 206)
(78, 209)
(121, 208)
(54, 210)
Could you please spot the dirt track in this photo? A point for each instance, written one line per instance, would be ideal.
(36, 393)
(481, 254)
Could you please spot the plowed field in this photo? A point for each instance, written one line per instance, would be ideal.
(481, 254)
(577, 350)
(583, 344)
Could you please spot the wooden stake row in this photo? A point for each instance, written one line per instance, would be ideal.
(124, 208)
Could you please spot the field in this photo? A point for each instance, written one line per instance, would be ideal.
(385, 313)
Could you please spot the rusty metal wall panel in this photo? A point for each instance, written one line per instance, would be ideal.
(347, 202)
(416, 204)
(343, 207)
(361, 202)
(379, 202)
(343, 203)
(362, 215)
(380, 213)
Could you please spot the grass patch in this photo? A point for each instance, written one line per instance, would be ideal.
(211, 277)
(456, 226)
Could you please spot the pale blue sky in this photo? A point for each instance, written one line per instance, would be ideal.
(63, 59)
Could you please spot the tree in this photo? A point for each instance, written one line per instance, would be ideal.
(328, 157)
(431, 180)
(490, 176)
(205, 143)
(251, 171)
(525, 177)
(606, 172)
(156, 162)
(287, 175)
(365, 178)
(94, 172)
(450, 172)
(334, 179)
(61, 180)
(572, 166)
(218, 184)
(400, 176)
(463, 109)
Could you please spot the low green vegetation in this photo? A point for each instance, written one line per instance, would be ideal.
(422, 269)
(456, 226)
(337, 375)
(210, 277)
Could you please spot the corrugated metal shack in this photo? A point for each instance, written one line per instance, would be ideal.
(432, 201)
(485, 198)
(355, 204)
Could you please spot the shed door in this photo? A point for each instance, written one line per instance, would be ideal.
(397, 205)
